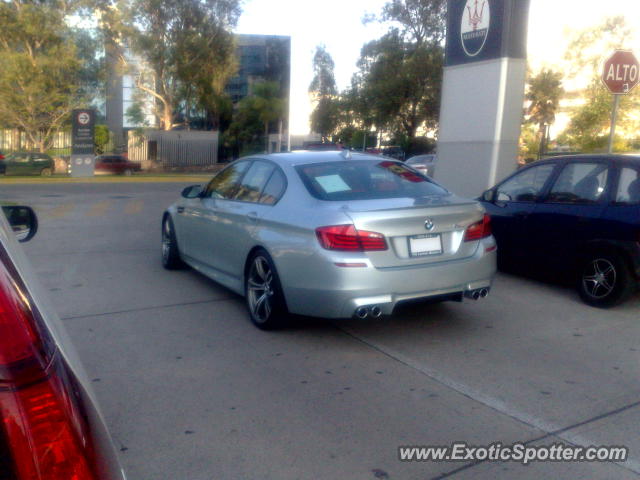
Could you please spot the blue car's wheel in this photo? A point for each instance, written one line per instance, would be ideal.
(605, 279)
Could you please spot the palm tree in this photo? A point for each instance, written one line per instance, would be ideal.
(269, 104)
(544, 93)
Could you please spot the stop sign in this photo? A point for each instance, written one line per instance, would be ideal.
(621, 72)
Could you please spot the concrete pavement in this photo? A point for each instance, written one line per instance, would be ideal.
(191, 390)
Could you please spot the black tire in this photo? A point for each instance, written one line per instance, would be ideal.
(605, 279)
(45, 172)
(170, 254)
(263, 293)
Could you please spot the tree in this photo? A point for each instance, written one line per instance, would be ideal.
(421, 21)
(397, 87)
(269, 105)
(186, 48)
(40, 75)
(401, 82)
(324, 82)
(324, 118)
(589, 126)
(544, 92)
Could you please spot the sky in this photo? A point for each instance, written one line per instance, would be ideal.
(337, 24)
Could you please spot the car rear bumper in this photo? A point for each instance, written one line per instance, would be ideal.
(337, 292)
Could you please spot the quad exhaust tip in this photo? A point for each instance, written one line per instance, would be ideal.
(363, 312)
(477, 293)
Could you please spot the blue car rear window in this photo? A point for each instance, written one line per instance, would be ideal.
(365, 180)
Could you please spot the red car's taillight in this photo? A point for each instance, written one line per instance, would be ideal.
(44, 434)
(478, 230)
(347, 238)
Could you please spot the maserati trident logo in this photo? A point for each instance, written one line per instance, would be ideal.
(428, 224)
(474, 29)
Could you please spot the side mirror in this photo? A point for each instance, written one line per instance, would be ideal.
(488, 196)
(23, 221)
(194, 191)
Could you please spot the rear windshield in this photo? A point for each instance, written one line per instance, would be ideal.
(365, 180)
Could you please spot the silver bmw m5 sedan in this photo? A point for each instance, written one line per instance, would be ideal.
(330, 234)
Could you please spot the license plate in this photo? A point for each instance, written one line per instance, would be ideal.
(428, 244)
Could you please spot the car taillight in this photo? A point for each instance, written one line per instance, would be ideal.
(1, 157)
(478, 230)
(347, 238)
(42, 427)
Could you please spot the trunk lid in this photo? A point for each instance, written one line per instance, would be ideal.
(404, 222)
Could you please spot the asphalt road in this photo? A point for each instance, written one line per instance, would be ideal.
(191, 390)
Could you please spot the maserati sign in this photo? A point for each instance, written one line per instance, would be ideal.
(474, 29)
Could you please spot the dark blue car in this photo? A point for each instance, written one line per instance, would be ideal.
(574, 214)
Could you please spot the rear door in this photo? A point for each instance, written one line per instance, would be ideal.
(40, 161)
(569, 214)
(238, 214)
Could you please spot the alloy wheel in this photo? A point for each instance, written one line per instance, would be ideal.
(166, 241)
(260, 289)
(599, 278)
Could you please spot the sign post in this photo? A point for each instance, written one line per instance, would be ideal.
(82, 142)
(482, 93)
(620, 75)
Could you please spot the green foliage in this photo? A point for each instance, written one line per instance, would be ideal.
(249, 131)
(324, 83)
(399, 84)
(399, 78)
(102, 137)
(421, 21)
(41, 72)
(325, 115)
(544, 92)
(588, 130)
(187, 49)
(529, 142)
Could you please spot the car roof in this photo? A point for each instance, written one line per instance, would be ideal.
(616, 157)
(304, 157)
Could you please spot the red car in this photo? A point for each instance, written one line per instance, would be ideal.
(115, 165)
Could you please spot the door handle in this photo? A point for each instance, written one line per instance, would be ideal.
(180, 209)
(252, 216)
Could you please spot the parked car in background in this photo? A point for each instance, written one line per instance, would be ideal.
(393, 152)
(27, 163)
(579, 214)
(115, 165)
(425, 164)
(330, 234)
(50, 425)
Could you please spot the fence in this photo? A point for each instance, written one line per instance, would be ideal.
(173, 149)
(14, 140)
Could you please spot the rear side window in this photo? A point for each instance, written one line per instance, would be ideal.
(580, 183)
(274, 189)
(365, 180)
(253, 182)
(628, 186)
